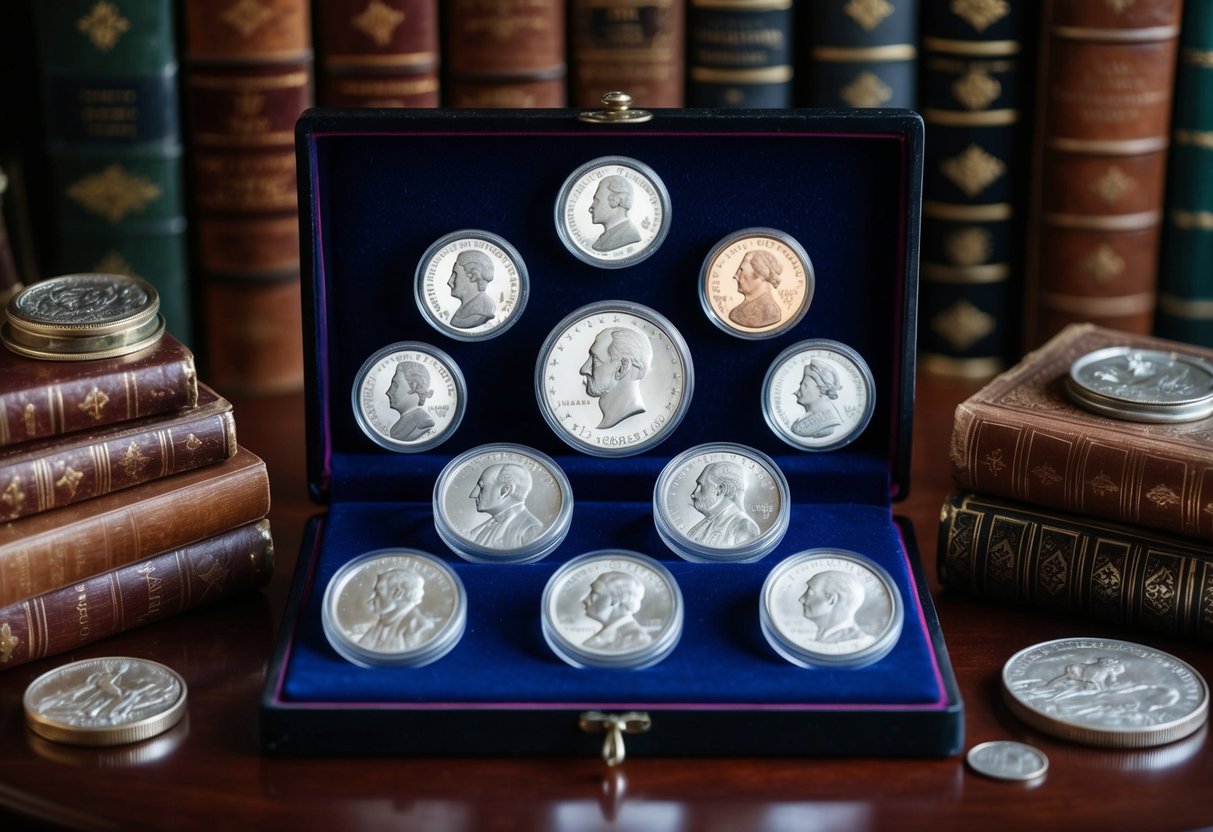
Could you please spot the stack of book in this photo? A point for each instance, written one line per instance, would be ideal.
(1064, 509)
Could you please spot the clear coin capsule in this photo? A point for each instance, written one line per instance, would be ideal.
(409, 397)
(613, 212)
(818, 395)
(756, 283)
(471, 285)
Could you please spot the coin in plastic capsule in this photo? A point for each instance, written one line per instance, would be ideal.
(613, 212)
(1142, 385)
(502, 503)
(830, 608)
(818, 395)
(613, 609)
(721, 502)
(394, 608)
(409, 397)
(471, 285)
(756, 283)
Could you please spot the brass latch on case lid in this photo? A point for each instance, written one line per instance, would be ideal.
(617, 110)
(614, 726)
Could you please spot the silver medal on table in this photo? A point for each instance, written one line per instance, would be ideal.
(471, 285)
(614, 379)
(1142, 385)
(409, 397)
(613, 212)
(818, 395)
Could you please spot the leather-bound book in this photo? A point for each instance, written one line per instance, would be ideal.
(39, 399)
(1022, 438)
(740, 53)
(150, 589)
(858, 54)
(504, 54)
(1105, 88)
(1066, 563)
(57, 548)
(376, 53)
(633, 46)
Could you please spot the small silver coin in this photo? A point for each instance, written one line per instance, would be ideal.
(756, 283)
(612, 608)
(818, 395)
(86, 304)
(471, 285)
(394, 608)
(105, 701)
(409, 397)
(613, 212)
(1105, 692)
(1142, 385)
(1008, 760)
(614, 379)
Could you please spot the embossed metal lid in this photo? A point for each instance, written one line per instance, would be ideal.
(1142, 385)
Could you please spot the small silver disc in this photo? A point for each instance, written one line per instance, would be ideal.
(756, 283)
(1008, 760)
(818, 395)
(409, 397)
(613, 212)
(1142, 385)
(471, 285)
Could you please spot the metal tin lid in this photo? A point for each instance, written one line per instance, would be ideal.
(613, 212)
(721, 502)
(756, 283)
(502, 503)
(83, 305)
(471, 285)
(1142, 385)
(409, 397)
(818, 395)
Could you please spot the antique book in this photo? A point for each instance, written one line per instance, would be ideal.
(1185, 291)
(1104, 94)
(39, 399)
(855, 53)
(51, 473)
(1007, 551)
(247, 77)
(504, 54)
(113, 132)
(634, 46)
(57, 548)
(1020, 437)
(974, 97)
(149, 589)
(740, 53)
(376, 53)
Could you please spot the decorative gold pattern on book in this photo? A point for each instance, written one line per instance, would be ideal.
(247, 16)
(1002, 560)
(1103, 264)
(29, 416)
(13, 498)
(1103, 485)
(973, 170)
(1158, 594)
(868, 13)
(212, 573)
(1119, 6)
(1162, 496)
(969, 246)
(1192, 220)
(980, 14)
(1057, 550)
(962, 324)
(976, 89)
(1199, 138)
(1107, 577)
(114, 193)
(133, 460)
(378, 21)
(69, 481)
(192, 443)
(8, 642)
(104, 25)
(994, 462)
(1113, 186)
(112, 262)
(1047, 474)
(94, 403)
(866, 91)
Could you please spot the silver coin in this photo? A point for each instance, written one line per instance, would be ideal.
(831, 607)
(1105, 692)
(502, 503)
(409, 397)
(1008, 760)
(105, 701)
(756, 283)
(394, 608)
(83, 304)
(818, 395)
(1142, 385)
(612, 608)
(471, 285)
(721, 502)
(614, 378)
(613, 212)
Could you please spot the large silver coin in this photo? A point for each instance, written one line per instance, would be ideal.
(614, 378)
(1142, 385)
(1105, 692)
(1008, 760)
(409, 397)
(613, 212)
(818, 395)
(106, 701)
(756, 283)
(86, 304)
(471, 285)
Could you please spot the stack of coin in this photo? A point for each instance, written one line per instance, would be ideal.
(78, 317)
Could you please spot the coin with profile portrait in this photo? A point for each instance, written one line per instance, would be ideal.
(818, 395)
(613, 212)
(471, 285)
(756, 283)
(409, 397)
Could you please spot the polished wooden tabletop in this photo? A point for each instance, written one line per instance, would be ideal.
(208, 772)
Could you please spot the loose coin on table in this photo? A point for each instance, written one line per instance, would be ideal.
(818, 395)
(471, 285)
(614, 378)
(1105, 692)
(756, 283)
(106, 701)
(1008, 760)
(409, 397)
(1142, 385)
(613, 212)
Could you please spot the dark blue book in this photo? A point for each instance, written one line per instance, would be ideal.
(858, 53)
(739, 53)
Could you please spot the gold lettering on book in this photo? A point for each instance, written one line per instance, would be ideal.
(980, 14)
(962, 324)
(247, 16)
(133, 460)
(994, 462)
(1047, 474)
(82, 616)
(866, 91)
(154, 586)
(94, 403)
(69, 481)
(1103, 485)
(1159, 594)
(973, 170)
(868, 13)
(976, 89)
(8, 643)
(969, 246)
(1103, 264)
(1119, 6)
(29, 415)
(104, 25)
(1113, 186)
(114, 193)
(13, 497)
(378, 21)
(1162, 496)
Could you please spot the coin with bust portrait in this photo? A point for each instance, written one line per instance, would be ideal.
(613, 212)
(409, 397)
(818, 395)
(471, 285)
(756, 283)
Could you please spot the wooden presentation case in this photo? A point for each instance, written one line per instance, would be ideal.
(377, 188)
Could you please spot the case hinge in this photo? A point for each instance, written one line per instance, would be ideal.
(614, 726)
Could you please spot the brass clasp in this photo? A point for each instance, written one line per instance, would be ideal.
(617, 109)
(614, 726)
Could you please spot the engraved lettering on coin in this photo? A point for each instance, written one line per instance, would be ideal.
(1142, 384)
(77, 299)
(756, 283)
(471, 285)
(613, 212)
(409, 397)
(818, 395)
(1008, 760)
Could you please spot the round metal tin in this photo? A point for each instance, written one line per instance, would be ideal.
(409, 397)
(54, 348)
(85, 305)
(756, 283)
(612, 608)
(394, 608)
(471, 285)
(721, 502)
(1008, 760)
(830, 608)
(1142, 385)
(614, 378)
(613, 212)
(818, 395)
(502, 503)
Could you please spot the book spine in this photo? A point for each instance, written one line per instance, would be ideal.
(10, 278)
(1074, 565)
(858, 54)
(1185, 301)
(505, 54)
(1104, 100)
(739, 53)
(636, 46)
(230, 563)
(382, 54)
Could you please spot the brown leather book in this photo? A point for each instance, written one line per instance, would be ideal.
(51, 473)
(382, 53)
(1106, 75)
(39, 399)
(505, 54)
(61, 547)
(1021, 437)
(150, 589)
(634, 46)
